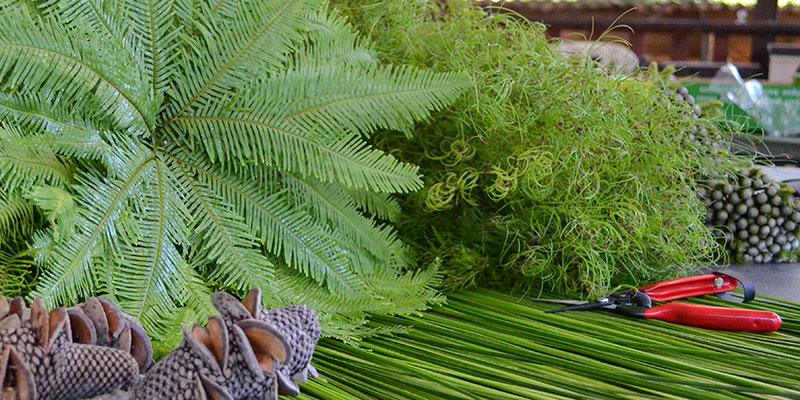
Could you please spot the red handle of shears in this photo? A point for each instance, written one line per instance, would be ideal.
(691, 286)
(729, 319)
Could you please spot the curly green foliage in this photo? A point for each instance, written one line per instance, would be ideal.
(553, 173)
(180, 146)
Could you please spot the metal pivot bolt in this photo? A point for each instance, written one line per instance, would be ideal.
(718, 282)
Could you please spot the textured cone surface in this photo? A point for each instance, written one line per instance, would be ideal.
(244, 378)
(60, 368)
(86, 371)
(177, 375)
(100, 321)
(16, 380)
(300, 326)
(236, 356)
(23, 339)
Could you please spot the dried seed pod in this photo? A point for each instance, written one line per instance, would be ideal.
(245, 353)
(50, 357)
(299, 326)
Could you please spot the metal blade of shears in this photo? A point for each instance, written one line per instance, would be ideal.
(574, 305)
(582, 307)
(564, 302)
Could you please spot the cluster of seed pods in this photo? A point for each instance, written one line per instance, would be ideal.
(245, 353)
(754, 215)
(94, 349)
(74, 353)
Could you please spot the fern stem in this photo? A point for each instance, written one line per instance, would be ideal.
(151, 275)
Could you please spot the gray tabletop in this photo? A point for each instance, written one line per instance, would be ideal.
(779, 280)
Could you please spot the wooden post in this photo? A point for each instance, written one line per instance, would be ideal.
(720, 52)
(680, 47)
(638, 43)
(765, 10)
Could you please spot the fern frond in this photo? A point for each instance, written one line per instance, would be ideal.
(408, 293)
(345, 317)
(329, 203)
(166, 325)
(170, 331)
(16, 217)
(153, 26)
(305, 290)
(197, 295)
(46, 56)
(31, 5)
(66, 129)
(223, 7)
(381, 205)
(149, 275)
(254, 41)
(17, 271)
(220, 235)
(72, 268)
(49, 115)
(42, 243)
(22, 167)
(247, 138)
(283, 231)
(332, 41)
(59, 207)
(359, 99)
(107, 18)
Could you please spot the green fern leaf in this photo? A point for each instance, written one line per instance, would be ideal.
(72, 265)
(16, 217)
(178, 147)
(332, 205)
(153, 27)
(256, 39)
(16, 270)
(59, 206)
(390, 98)
(37, 56)
(106, 18)
(283, 230)
(381, 205)
(220, 236)
(331, 41)
(21, 167)
(61, 129)
(150, 271)
(350, 161)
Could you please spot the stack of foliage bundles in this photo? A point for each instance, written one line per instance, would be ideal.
(552, 173)
(488, 345)
(153, 152)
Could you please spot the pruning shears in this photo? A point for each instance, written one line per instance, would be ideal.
(639, 303)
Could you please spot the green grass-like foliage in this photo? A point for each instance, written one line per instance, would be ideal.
(154, 151)
(488, 345)
(552, 173)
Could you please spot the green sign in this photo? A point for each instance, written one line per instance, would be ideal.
(785, 98)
